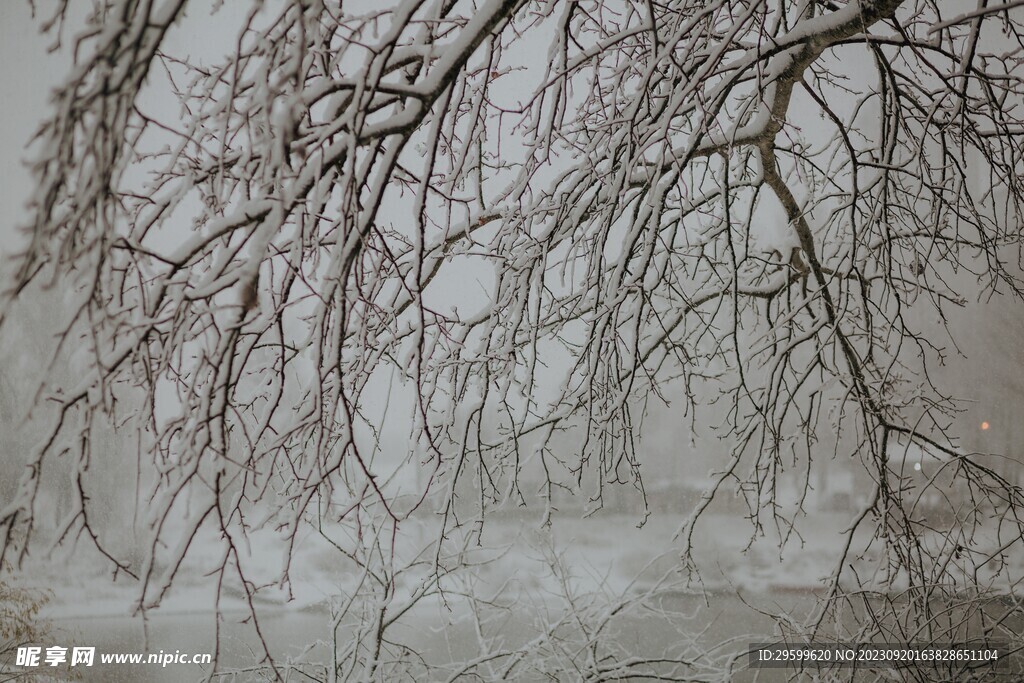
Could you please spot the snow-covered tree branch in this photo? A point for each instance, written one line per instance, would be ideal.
(513, 224)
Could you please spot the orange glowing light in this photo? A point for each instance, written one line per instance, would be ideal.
(984, 426)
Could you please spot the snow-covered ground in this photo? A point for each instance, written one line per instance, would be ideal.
(606, 552)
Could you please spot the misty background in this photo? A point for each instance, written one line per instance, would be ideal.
(623, 542)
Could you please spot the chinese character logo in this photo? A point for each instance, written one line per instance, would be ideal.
(83, 656)
(56, 655)
(28, 656)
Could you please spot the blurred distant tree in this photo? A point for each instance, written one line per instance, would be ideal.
(251, 265)
(20, 624)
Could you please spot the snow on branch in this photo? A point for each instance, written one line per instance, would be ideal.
(436, 256)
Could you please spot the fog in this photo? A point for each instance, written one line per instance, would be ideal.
(516, 367)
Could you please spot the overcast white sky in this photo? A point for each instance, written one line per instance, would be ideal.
(28, 74)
